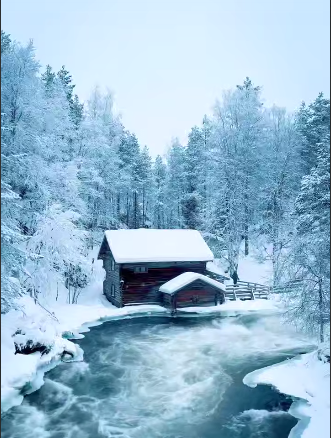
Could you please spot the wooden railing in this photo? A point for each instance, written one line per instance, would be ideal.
(245, 290)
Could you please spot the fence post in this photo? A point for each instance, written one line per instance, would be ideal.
(252, 292)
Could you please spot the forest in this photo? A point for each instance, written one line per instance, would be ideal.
(248, 175)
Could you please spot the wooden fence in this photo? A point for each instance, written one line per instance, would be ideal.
(245, 290)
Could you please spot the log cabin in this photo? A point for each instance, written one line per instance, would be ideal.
(138, 262)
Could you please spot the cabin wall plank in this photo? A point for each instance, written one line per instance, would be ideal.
(112, 279)
(144, 287)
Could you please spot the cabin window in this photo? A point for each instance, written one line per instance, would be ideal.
(112, 264)
(140, 269)
(112, 290)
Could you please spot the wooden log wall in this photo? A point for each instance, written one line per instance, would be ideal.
(195, 294)
(111, 284)
(144, 287)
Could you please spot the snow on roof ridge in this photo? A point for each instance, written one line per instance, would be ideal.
(186, 278)
(155, 245)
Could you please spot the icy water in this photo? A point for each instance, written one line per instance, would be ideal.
(156, 377)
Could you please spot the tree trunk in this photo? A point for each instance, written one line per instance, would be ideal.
(118, 206)
(144, 218)
(246, 221)
(246, 241)
(127, 209)
(135, 210)
(321, 310)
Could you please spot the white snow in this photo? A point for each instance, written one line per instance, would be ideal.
(215, 269)
(305, 378)
(233, 308)
(249, 269)
(150, 245)
(182, 280)
(18, 370)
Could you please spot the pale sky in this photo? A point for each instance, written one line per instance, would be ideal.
(168, 60)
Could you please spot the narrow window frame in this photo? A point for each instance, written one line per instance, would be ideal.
(112, 291)
(140, 270)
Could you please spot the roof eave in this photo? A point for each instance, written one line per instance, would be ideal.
(129, 262)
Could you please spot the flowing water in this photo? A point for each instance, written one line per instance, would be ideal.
(157, 377)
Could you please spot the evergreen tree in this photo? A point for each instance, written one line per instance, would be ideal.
(159, 174)
(48, 77)
(280, 183)
(313, 123)
(176, 184)
(76, 108)
(5, 41)
(145, 186)
(311, 251)
(192, 203)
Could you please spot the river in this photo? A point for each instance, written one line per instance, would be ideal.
(160, 377)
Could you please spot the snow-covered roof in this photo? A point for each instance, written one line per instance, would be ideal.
(182, 280)
(215, 269)
(150, 245)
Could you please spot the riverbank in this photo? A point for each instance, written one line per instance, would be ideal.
(306, 379)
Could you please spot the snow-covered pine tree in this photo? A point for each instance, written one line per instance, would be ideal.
(313, 124)
(175, 184)
(193, 201)
(129, 175)
(145, 187)
(311, 250)
(279, 187)
(99, 135)
(159, 177)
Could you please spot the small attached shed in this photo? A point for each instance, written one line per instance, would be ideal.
(191, 289)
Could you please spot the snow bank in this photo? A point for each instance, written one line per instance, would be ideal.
(150, 245)
(22, 374)
(182, 280)
(233, 308)
(307, 380)
(252, 269)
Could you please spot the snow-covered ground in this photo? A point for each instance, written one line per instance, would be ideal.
(255, 267)
(307, 379)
